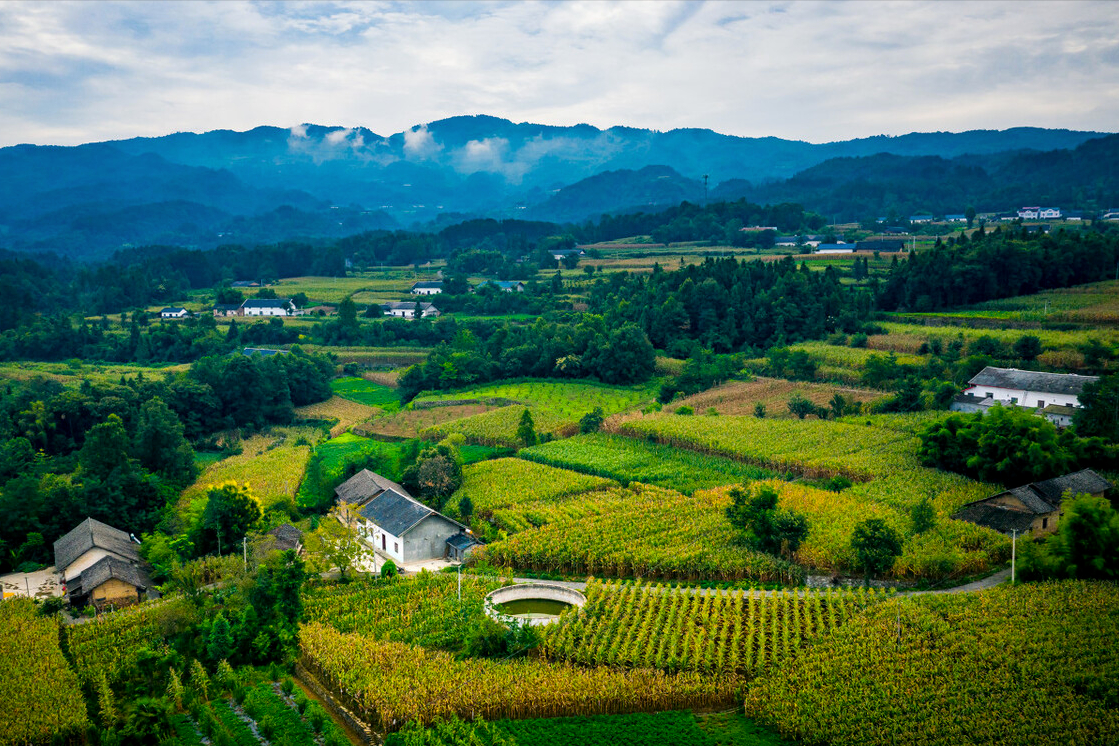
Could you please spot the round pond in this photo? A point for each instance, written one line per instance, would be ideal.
(532, 603)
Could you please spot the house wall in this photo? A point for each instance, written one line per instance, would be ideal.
(426, 291)
(116, 592)
(1026, 398)
(265, 312)
(1045, 524)
(376, 537)
(87, 560)
(428, 539)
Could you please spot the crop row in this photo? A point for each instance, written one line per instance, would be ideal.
(498, 427)
(640, 531)
(510, 482)
(422, 609)
(389, 684)
(108, 645)
(41, 695)
(630, 460)
(1026, 664)
(639, 626)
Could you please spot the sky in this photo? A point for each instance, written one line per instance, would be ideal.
(73, 72)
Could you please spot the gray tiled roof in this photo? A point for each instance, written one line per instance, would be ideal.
(287, 537)
(408, 305)
(394, 512)
(1029, 380)
(107, 568)
(428, 285)
(364, 485)
(89, 534)
(997, 517)
(1032, 499)
(1086, 480)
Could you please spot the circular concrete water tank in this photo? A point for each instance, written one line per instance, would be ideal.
(531, 603)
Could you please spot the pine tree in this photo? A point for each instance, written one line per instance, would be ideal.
(220, 644)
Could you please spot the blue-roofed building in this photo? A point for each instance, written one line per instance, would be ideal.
(835, 248)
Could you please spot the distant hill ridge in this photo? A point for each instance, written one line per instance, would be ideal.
(221, 186)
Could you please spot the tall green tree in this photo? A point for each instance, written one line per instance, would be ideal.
(1098, 414)
(526, 430)
(231, 510)
(160, 446)
(764, 527)
(1086, 544)
(876, 546)
(106, 449)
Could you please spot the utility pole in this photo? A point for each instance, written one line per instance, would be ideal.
(1013, 552)
(460, 584)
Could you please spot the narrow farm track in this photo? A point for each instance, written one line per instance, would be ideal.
(980, 585)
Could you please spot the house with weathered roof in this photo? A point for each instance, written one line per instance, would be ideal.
(100, 564)
(174, 313)
(287, 537)
(399, 526)
(227, 309)
(1034, 508)
(1028, 388)
(427, 288)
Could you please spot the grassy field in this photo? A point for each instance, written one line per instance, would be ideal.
(498, 427)
(409, 423)
(629, 460)
(334, 289)
(740, 397)
(847, 363)
(1095, 303)
(379, 357)
(368, 393)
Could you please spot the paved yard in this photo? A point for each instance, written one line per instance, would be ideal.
(39, 584)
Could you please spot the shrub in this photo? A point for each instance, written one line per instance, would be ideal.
(388, 570)
(684, 409)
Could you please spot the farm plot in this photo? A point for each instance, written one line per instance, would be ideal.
(42, 698)
(419, 610)
(508, 491)
(883, 457)
(409, 423)
(498, 427)
(630, 460)
(740, 397)
(846, 363)
(71, 374)
(568, 400)
(366, 392)
(272, 464)
(335, 289)
(634, 625)
(344, 412)
(1010, 665)
(388, 684)
(374, 357)
(641, 531)
(107, 646)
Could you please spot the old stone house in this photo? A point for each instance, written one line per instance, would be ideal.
(1034, 508)
(100, 564)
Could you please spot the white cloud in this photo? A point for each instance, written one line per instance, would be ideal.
(73, 71)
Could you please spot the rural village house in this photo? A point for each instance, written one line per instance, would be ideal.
(287, 538)
(1024, 388)
(1034, 508)
(227, 309)
(100, 564)
(267, 307)
(399, 526)
(407, 309)
(174, 313)
(427, 288)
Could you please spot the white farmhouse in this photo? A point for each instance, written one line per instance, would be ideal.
(1027, 388)
(174, 313)
(505, 286)
(267, 307)
(1049, 213)
(427, 288)
(398, 526)
(1029, 213)
(407, 309)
